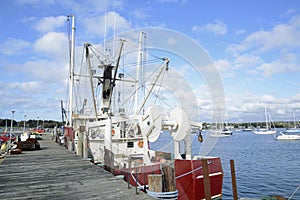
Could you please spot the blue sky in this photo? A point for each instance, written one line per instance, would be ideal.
(254, 45)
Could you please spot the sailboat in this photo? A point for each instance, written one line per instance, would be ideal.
(119, 140)
(268, 129)
(223, 131)
(295, 129)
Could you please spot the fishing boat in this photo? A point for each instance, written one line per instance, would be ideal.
(119, 139)
(286, 136)
(268, 129)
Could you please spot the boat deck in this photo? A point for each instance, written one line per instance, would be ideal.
(55, 173)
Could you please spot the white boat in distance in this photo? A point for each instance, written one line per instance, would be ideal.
(284, 136)
(268, 129)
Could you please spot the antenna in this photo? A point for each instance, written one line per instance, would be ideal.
(104, 36)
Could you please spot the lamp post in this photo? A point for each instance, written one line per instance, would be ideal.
(37, 123)
(24, 123)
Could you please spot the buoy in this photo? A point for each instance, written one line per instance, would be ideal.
(113, 132)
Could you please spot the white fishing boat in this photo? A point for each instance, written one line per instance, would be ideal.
(119, 138)
(286, 136)
(268, 129)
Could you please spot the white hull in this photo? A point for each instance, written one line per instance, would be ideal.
(282, 136)
(264, 132)
(219, 135)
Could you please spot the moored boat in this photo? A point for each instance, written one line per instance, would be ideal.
(286, 136)
(268, 129)
(118, 138)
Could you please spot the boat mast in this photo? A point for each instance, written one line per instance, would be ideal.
(267, 123)
(88, 59)
(138, 73)
(72, 58)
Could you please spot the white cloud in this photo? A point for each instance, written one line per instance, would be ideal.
(247, 60)
(222, 65)
(251, 107)
(53, 44)
(32, 87)
(95, 26)
(51, 23)
(140, 14)
(13, 46)
(286, 63)
(46, 71)
(280, 36)
(218, 28)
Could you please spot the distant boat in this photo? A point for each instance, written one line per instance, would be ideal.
(285, 136)
(268, 129)
(222, 131)
(219, 133)
(247, 129)
(295, 129)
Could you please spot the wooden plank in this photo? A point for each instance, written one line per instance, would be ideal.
(55, 173)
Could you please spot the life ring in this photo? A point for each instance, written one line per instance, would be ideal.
(113, 132)
(140, 143)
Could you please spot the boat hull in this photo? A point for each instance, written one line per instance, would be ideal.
(265, 132)
(282, 136)
(189, 177)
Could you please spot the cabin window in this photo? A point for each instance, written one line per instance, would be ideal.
(129, 144)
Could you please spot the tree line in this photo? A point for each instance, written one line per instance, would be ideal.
(31, 123)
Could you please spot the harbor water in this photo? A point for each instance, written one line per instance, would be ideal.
(264, 166)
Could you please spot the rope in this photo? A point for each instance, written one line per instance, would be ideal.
(294, 193)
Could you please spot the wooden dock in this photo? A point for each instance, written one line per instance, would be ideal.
(55, 173)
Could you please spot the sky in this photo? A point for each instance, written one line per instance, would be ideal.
(254, 46)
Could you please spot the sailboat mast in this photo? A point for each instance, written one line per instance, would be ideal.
(72, 70)
(267, 123)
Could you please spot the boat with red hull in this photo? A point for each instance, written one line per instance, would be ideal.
(188, 176)
(120, 141)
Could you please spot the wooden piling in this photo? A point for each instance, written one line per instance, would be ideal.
(168, 178)
(206, 179)
(155, 182)
(233, 179)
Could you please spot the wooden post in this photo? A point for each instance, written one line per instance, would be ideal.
(85, 145)
(108, 160)
(80, 144)
(155, 182)
(206, 179)
(168, 178)
(233, 179)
